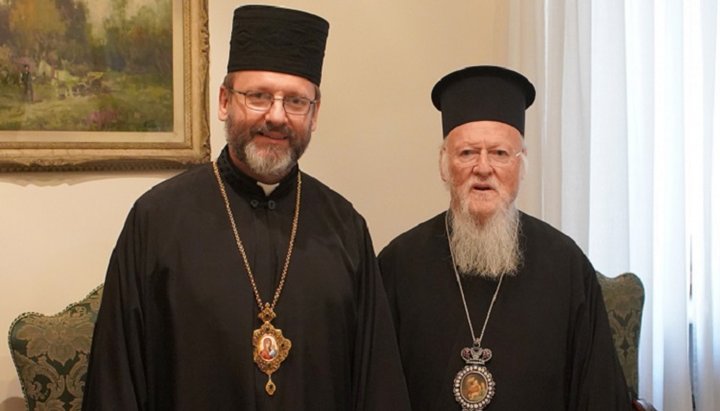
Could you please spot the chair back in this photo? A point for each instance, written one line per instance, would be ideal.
(624, 298)
(51, 354)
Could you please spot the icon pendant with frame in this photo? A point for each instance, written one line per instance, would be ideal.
(270, 349)
(473, 387)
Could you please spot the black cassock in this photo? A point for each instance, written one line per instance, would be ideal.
(175, 326)
(548, 331)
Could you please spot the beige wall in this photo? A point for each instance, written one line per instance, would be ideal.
(376, 143)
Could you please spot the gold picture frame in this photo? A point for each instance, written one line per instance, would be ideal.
(183, 142)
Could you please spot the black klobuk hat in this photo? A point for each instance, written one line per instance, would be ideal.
(277, 39)
(483, 93)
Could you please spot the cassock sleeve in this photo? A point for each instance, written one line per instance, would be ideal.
(597, 380)
(377, 371)
(116, 378)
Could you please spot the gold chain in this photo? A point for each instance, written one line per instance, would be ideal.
(239, 243)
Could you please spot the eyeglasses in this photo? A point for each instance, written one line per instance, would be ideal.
(262, 101)
(496, 157)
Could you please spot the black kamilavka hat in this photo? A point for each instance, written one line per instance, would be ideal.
(483, 93)
(271, 38)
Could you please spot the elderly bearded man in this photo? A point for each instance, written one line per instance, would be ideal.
(215, 261)
(486, 291)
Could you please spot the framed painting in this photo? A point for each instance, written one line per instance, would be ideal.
(103, 84)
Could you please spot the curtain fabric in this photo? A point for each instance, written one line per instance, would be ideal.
(628, 134)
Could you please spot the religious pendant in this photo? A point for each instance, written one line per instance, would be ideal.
(270, 347)
(474, 386)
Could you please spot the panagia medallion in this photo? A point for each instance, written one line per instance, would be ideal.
(474, 386)
(271, 348)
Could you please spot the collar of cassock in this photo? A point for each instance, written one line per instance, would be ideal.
(248, 188)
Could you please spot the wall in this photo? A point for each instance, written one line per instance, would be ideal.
(376, 143)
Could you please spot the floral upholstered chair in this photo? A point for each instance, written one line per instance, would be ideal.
(51, 354)
(624, 298)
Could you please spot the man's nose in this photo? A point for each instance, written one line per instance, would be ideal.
(482, 164)
(276, 113)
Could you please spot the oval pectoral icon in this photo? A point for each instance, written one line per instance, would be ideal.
(473, 387)
(268, 348)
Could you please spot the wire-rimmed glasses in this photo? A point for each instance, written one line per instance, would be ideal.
(496, 157)
(262, 101)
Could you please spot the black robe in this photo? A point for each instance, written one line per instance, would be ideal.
(548, 331)
(175, 327)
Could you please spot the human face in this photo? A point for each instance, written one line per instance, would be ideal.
(476, 185)
(473, 386)
(266, 144)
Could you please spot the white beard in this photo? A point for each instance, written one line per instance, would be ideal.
(486, 250)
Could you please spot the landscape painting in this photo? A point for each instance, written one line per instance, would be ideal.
(95, 84)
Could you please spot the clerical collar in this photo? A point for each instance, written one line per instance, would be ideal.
(248, 186)
(267, 188)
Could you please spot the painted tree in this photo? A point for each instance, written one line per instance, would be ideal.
(36, 27)
(151, 29)
(76, 45)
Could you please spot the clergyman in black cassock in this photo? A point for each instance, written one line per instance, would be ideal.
(537, 309)
(179, 326)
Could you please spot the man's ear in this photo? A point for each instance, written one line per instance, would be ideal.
(313, 119)
(443, 164)
(223, 101)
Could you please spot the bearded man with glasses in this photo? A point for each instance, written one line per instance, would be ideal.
(484, 292)
(247, 284)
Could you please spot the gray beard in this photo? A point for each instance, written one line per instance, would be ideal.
(274, 163)
(486, 250)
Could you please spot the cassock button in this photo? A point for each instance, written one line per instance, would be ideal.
(254, 203)
(271, 204)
